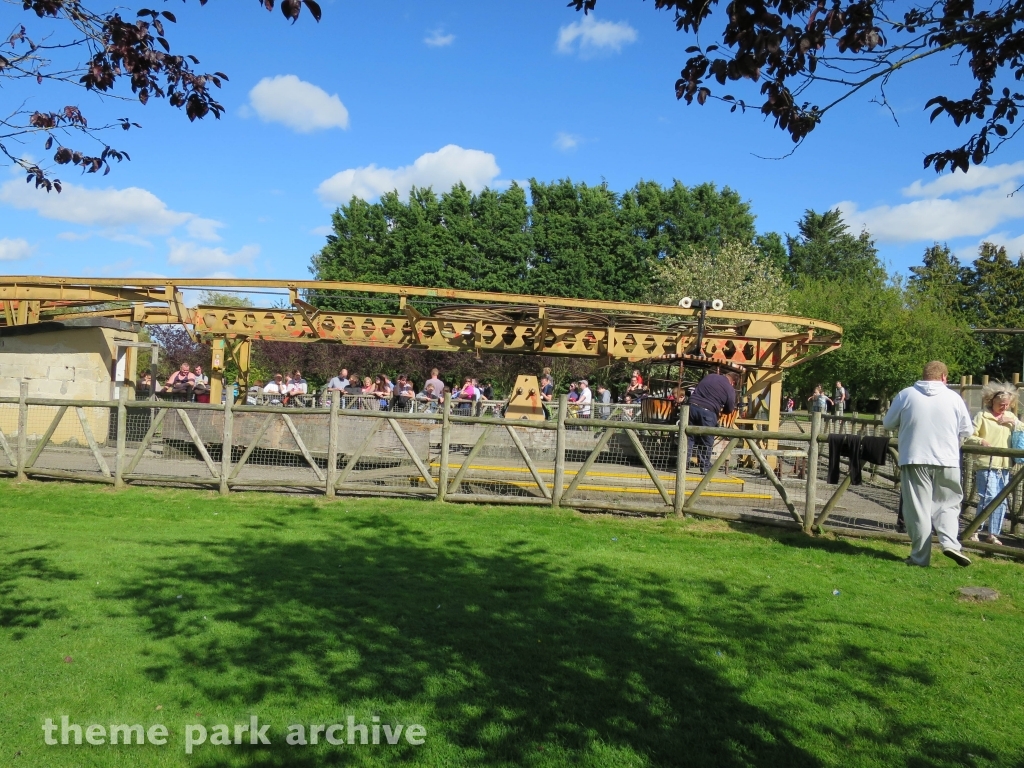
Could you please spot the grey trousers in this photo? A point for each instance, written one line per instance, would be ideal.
(931, 500)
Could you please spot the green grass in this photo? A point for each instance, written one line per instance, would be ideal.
(515, 636)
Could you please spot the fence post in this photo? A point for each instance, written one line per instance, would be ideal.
(22, 430)
(122, 435)
(559, 482)
(446, 435)
(682, 462)
(225, 444)
(332, 445)
(812, 473)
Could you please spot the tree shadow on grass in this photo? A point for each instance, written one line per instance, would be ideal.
(801, 540)
(512, 655)
(20, 610)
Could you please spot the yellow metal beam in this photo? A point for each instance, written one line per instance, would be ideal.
(117, 289)
(518, 325)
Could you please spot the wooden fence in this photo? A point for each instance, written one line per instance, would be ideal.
(582, 463)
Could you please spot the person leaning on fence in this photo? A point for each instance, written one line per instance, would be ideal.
(635, 390)
(339, 382)
(182, 380)
(434, 382)
(353, 393)
(382, 392)
(585, 399)
(994, 426)
(714, 396)
(932, 421)
(605, 398)
(276, 389)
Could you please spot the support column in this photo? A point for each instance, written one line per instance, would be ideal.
(122, 435)
(131, 365)
(559, 483)
(332, 445)
(446, 436)
(682, 462)
(241, 350)
(811, 499)
(216, 370)
(774, 421)
(225, 446)
(22, 430)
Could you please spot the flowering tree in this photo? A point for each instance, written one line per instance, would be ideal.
(737, 273)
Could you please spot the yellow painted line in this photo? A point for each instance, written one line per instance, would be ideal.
(690, 478)
(615, 489)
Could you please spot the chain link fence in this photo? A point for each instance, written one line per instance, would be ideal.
(500, 461)
(605, 460)
(8, 435)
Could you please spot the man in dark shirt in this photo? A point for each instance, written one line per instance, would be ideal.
(713, 396)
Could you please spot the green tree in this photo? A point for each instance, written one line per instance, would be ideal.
(944, 279)
(889, 333)
(995, 285)
(458, 240)
(216, 299)
(580, 248)
(736, 273)
(673, 220)
(826, 250)
(571, 239)
(773, 250)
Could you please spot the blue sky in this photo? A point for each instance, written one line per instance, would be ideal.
(384, 95)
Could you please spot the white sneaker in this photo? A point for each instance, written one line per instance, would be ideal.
(957, 557)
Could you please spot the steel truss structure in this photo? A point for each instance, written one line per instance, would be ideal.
(475, 322)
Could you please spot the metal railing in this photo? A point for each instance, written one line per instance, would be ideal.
(604, 462)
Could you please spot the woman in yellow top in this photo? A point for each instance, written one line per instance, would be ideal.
(993, 426)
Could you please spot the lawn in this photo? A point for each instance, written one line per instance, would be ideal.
(513, 636)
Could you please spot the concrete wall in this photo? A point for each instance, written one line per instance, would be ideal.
(66, 363)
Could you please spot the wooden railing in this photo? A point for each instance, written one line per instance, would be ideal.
(333, 468)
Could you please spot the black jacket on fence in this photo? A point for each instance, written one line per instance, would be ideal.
(858, 450)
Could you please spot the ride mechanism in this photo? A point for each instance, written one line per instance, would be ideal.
(694, 336)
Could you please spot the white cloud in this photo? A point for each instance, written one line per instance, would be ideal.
(97, 207)
(566, 142)
(299, 105)
(12, 249)
(111, 210)
(197, 259)
(1014, 245)
(943, 212)
(322, 231)
(437, 39)
(440, 170)
(204, 229)
(979, 177)
(588, 36)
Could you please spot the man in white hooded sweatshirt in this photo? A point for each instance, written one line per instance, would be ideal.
(933, 422)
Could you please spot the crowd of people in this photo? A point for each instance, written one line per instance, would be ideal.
(374, 392)
(820, 402)
(185, 383)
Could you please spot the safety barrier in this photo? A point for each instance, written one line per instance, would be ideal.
(613, 464)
